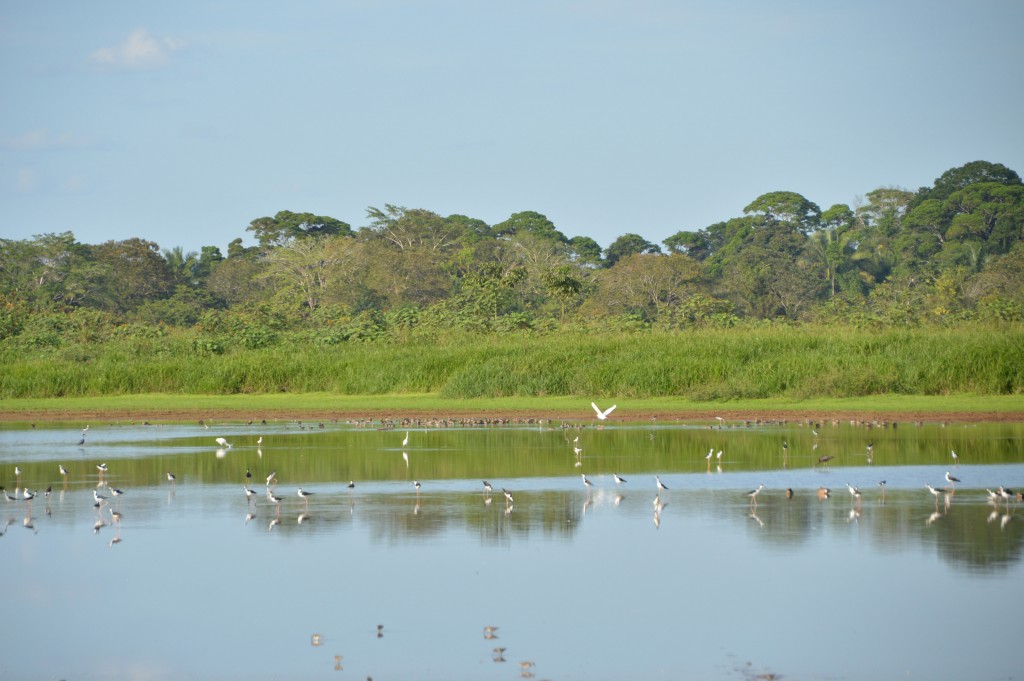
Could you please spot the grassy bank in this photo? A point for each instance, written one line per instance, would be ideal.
(323, 405)
(715, 365)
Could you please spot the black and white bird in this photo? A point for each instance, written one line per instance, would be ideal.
(305, 495)
(952, 480)
(660, 484)
(487, 487)
(618, 479)
(753, 494)
(586, 482)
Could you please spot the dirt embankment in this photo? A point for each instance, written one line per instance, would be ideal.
(139, 416)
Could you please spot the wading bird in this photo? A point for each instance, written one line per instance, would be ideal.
(753, 494)
(602, 415)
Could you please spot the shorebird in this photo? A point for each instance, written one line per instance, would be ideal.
(823, 493)
(250, 494)
(63, 471)
(487, 487)
(711, 453)
(718, 456)
(661, 485)
(586, 482)
(305, 496)
(416, 484)
(881, 483)
(823, 460)
(854, 492)
(405, 442)
(116, 492)
(618, 479)
(98, 498)
(935, 493)
(952, 480)
(954, 456)
(508, 496)
(753, 494)
(171, 478)
(102, 468)
(271, 478)
(351, 484)
(276, 500)
(603, 415)
(259, 441)
(17, 476)
(223, 443)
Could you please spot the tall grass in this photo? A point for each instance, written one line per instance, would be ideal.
(756, 362)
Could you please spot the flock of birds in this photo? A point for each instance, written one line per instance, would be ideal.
(1001, 495)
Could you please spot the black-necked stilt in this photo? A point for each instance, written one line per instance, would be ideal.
(854, 492)
(305, 495)
(753, 494)
(17, 476)
(171, 478)
(508, 496)
(416, 484)
(276, 500)
(618, 479)
(586, 482)
(98, 498)
(116, 492)
(603, 415)
(955, 458)
(271, 478)
(27, 494)
(351, 484)
(935, 493)
(823, 493)
(250, 494)
(487, 487)
(711, 453)
(248, 476)
(63, 471)
(102, 468)
(660, 484)
(223, 443)
(952, 480)
(881, 483)
(259, 441)
(718, 456)
(8, 495)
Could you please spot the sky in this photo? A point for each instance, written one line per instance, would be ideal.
(182, 122)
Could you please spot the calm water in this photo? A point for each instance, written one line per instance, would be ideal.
(190, 580)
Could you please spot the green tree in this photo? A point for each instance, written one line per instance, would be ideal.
(626, 245)
(529, 222)
(788, 208)
(287, 226)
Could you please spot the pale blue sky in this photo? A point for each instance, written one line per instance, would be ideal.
(181, 122)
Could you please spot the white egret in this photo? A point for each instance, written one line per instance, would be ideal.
(602, 415)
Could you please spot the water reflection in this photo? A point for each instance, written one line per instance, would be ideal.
(416, 534)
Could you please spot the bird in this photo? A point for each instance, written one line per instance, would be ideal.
(416, 484)
(271, 477)
(711, 452)
(116, 492)
(248, 475)
(81, 441)
(881, 483)
(618, 479)
(98, 498)
(789, 492)
(603, 415)
(487, 487)
(171, 478)
(63, 471)
(586, 482)
(351, 484)
(661, 485)
(250, 494)
(718, 456)
(102, 468)
(17, 476)
(952, 480)
(405, 442)
(956, 458)
(508, 496)
(823, 493)
(935, 493)
(854, 492)
(259, 441)
(223, 443)
(489, 632)
(823, 460)
(753, 494)
(305, 495)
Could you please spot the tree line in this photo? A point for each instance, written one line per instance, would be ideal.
(944, 254)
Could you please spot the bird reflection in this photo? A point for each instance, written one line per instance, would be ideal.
(249, 516)
(1005, 519)
(498, 654)
(753, 516)
(932, 518)
(273, 523)
(303, 517)
(29, 525)
(489, 632)
(854, 515)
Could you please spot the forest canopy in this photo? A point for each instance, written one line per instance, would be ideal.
(946, 254)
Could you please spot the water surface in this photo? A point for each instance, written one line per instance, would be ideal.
(190, 580)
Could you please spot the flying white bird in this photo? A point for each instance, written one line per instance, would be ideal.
(602, 415)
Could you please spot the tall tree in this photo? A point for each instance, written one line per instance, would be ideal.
(628, 244)
(286, 226)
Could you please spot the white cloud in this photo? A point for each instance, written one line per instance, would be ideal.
(41, 138)
(140, 50)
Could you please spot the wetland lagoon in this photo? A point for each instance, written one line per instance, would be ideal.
(190, 579)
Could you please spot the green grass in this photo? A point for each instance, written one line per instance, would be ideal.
(755, 363)
(244, 407)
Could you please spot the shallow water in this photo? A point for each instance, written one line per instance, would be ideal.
(190, 580)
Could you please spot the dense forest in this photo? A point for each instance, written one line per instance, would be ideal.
(948, 254)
